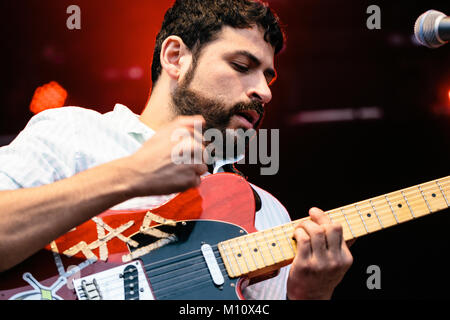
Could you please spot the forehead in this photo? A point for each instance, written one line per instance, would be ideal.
(251, 40)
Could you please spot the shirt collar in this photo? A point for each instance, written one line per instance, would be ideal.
(220, 163)
(130, 122)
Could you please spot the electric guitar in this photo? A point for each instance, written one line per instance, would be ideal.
(202, 245)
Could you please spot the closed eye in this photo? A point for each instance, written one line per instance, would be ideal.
(240, 68)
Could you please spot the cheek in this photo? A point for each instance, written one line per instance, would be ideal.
(218, 83)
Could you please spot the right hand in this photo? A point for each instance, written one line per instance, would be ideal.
(153, 170)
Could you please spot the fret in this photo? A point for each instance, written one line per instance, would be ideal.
(256, 249)
(236, 256)
(288, 238)
(399, 206)
(280, 247)
(247, 254)
(434, 197)
(264, 249)
(272, 247)
(366, 213)
(242, 257)
(341, 218)
(259, 263)
(407, 203)
(376, 214)
(228, 261)
(424, 198)
(392, 209)
(284, 243)
(354, 221)
(337, 217)
(443, 193)
(362, 218)
(416, 201)
(383, 210)
(445, 186)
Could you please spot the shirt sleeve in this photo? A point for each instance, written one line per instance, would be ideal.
(272, 214)
(41, 154)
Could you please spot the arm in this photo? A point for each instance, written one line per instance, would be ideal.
(31, 218)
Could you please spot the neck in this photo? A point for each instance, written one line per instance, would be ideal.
(262, 252)
(157, 112)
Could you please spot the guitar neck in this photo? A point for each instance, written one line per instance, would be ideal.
(261, 252)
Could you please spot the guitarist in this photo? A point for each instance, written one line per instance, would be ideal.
(213, 63)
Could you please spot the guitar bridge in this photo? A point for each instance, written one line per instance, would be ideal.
(125, 282)
(90, 290)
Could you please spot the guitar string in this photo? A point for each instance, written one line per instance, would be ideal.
(201, 280)
(155, 282)
(192, 279)
(430, 187)
(175, 263)
(353, 214)
(239, 251)
(190, 253)
(349, 215)
(178, 279)
(411, 200)
(183, 262)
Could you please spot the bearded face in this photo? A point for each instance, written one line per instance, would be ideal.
(218, 115)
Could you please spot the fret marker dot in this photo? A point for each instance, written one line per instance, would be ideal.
(434, 195)
(273, 244)
(239, 255)
(256, 250)
(399, 205)
(369, 215)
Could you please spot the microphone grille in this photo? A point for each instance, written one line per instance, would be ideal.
(425, 29)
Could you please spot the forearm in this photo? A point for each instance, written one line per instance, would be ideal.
(32, 218)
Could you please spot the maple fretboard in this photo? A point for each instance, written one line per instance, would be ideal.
(264, 251)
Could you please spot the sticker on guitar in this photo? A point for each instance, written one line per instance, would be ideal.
(40, 292)
(102, 285)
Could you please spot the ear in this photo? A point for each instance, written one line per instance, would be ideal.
(174, 56)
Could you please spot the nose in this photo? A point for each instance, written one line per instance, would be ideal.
(260, 91)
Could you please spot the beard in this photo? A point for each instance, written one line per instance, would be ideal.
(217, 115)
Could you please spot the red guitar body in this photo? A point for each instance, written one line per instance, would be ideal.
(48, 274)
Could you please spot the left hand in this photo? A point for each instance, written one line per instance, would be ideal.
(322, 258)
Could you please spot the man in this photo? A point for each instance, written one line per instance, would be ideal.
(213, 64)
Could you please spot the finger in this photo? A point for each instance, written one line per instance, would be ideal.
(318, 238)
(189, 127)
(200, 169)
(192, 151)
(318, 216)
(303, 243)
(334, 238)
(350, 243)
(346, 254)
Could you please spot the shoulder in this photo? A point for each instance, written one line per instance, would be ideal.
(64, 116)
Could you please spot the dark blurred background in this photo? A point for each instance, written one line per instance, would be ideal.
(361, 112)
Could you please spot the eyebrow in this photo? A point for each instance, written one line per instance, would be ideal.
(269, 71)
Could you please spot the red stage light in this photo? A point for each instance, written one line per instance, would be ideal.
(49, 96)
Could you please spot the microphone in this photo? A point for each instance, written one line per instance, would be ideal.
(432, 29)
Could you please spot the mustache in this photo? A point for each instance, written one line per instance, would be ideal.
(251, 106)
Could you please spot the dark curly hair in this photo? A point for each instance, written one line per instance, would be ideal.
(198, 22)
